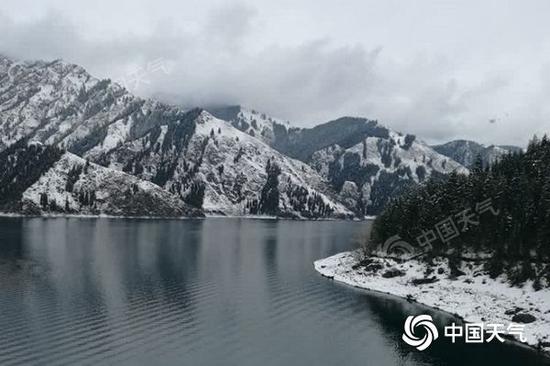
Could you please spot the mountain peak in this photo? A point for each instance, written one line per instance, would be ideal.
(467, 151)
(256, 124)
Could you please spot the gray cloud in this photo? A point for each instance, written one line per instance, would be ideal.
(261, 57)
(228, 24)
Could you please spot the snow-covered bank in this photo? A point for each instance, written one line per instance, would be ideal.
(283, 218)
(99, 216)
(473, 296)
(206, 216)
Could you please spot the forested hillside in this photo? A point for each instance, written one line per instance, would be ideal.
(501, 212)
(21, 165)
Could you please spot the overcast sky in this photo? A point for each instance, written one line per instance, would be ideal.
(440, 69)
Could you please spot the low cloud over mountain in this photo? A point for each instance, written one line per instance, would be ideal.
(484, 73)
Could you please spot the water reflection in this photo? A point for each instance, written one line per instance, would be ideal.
(209, 292)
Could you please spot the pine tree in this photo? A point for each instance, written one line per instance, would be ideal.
(269, 198)
(44, 201)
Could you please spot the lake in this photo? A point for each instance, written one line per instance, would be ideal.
(218, 291)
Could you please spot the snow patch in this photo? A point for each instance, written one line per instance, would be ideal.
(474, 296)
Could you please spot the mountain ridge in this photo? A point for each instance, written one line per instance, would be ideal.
(466, 151)
(346, 167)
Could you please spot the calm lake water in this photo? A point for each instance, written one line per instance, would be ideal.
(200, 292)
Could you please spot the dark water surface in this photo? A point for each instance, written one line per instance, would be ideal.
(200, 292)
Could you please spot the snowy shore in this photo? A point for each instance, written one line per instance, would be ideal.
(473, 296)
(99, 216)
(206, 216)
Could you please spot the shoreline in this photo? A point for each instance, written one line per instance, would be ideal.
(472, 297)
(100, 216)
(206, 216)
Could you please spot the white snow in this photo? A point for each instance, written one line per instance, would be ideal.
(417, 155)
(475, 296)
(260, 124)
(108, 184)
(221, 150)
(69, 108)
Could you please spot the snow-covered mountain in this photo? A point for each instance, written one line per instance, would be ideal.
(364, 162)
(224, 170)
(229, 161)
(466, 152)
(61, 104)
(257, 124)
(371, 172)
(38, 179)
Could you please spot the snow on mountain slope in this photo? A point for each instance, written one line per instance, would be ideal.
(254, 123)
(244, 156)
(224, 169)
(466, 152)
(349, 161)
(365, 162)
(31, 93)
(61, 104)
(73, 185)
(390, 155)
(369, 173)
